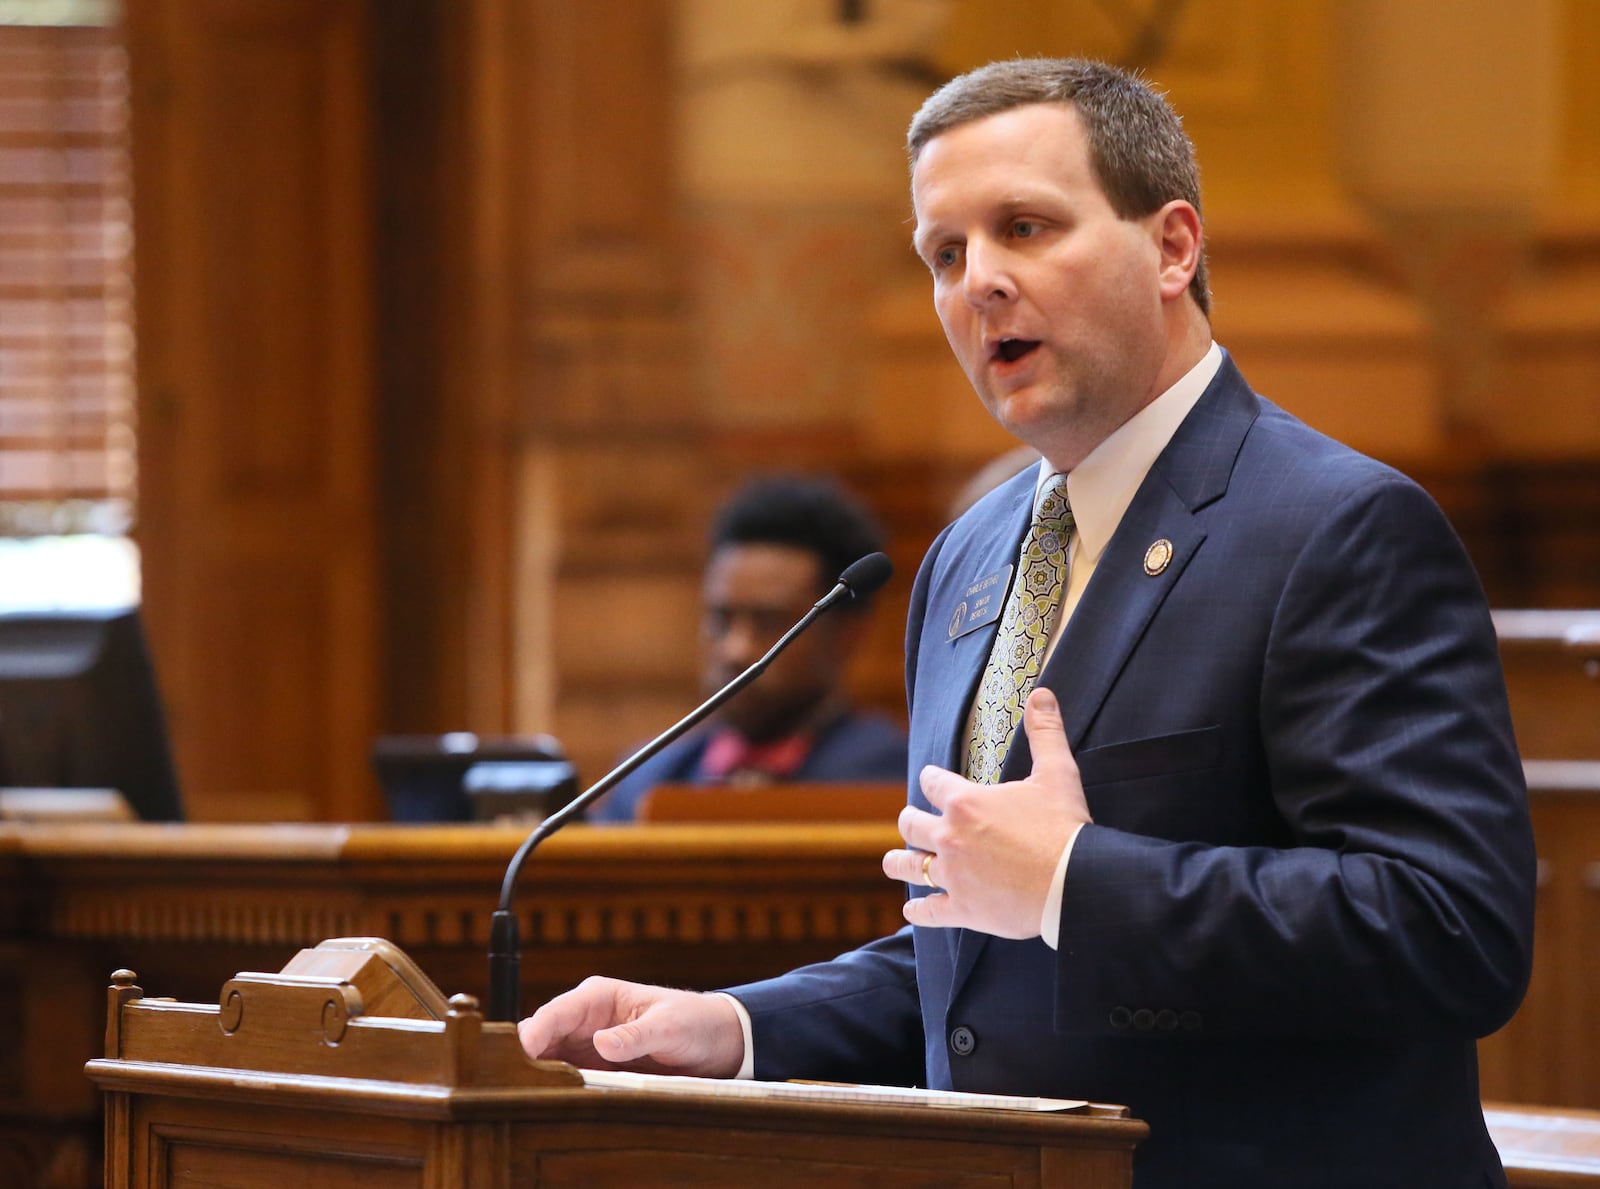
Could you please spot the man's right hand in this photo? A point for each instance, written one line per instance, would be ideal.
(604, 1023)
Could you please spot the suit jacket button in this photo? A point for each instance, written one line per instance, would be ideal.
(1120, 1018)
(1166, 1019)
(1144, 1019)
(1190, 1021)
(962, 1042)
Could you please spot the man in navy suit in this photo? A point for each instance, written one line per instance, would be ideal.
(1258, 863)
(777, 546)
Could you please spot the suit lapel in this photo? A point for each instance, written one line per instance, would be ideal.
(1123, 597)
(1116, 608)
(987, 550)
(980, 555)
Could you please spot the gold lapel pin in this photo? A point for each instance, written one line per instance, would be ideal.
(1157, 556)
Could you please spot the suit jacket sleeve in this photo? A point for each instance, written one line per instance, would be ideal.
(855, 1018)
(858, 1017)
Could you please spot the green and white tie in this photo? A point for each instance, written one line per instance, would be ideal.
(1019, 646)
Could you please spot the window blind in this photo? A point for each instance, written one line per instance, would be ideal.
(67, 449)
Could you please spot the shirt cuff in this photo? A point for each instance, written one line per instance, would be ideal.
(1050, 922)
(747, 1068)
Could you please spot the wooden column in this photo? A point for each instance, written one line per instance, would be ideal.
(249, 128)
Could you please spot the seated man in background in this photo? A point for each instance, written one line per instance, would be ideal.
(776, 547)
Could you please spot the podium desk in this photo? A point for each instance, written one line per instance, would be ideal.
(188, 906)
(289, 1079)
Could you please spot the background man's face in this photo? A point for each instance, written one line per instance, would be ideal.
(751, 595)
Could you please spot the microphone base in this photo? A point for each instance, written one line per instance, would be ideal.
(505, 968)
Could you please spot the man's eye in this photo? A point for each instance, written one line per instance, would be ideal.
(945, 257)
(769, 625)
(1023, 229)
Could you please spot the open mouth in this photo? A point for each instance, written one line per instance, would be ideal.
(1011, 350)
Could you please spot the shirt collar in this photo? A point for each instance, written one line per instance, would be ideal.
(1101, 487)
(730, 756)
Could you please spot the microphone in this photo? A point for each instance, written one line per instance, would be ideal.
(858, 581)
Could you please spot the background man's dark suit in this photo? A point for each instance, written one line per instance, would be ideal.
(1309, 880)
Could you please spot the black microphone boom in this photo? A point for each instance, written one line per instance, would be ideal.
(859, 580)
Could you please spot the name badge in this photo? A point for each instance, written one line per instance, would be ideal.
(980, 603)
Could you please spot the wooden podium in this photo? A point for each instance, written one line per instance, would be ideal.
(349, 1070)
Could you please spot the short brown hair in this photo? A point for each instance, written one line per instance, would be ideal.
(1138, 149)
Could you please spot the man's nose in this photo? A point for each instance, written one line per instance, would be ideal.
(987, 277)
(738, 644)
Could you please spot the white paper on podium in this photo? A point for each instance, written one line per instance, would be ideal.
(616, 1079)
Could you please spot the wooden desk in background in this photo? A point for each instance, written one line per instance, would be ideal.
(1545, 1148)
(792, 801)
(1552, 664)
(1551, 1051)
(190, 906)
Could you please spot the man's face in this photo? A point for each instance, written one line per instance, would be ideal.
(1051, 302)
(752, 594)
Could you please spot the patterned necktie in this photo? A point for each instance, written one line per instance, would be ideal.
(1025, 626)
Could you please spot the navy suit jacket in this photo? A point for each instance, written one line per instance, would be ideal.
(854, 746)
(1308, 885)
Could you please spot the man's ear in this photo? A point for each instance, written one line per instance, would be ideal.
(1179, 237)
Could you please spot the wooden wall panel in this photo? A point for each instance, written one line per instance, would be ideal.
(1579, 133)
(601, 210)
(277, 737)
(606, 534)
(1551, 326)
(249, 126)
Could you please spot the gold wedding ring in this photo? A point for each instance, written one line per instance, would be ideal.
(927, 876)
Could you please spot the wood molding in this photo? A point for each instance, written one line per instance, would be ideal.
(222, 884)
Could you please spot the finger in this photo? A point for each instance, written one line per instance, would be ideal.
(1047, 739)
(543, 1033)
(659, 1035)
(905, 866)
(931, 911)
(535, 1035)
(896, 863)
(630, 1041)
(938, 783)
(916, 827)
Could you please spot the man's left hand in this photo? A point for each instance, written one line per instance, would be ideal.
(994, 847)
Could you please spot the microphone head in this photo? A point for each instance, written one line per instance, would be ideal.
(863, 576)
